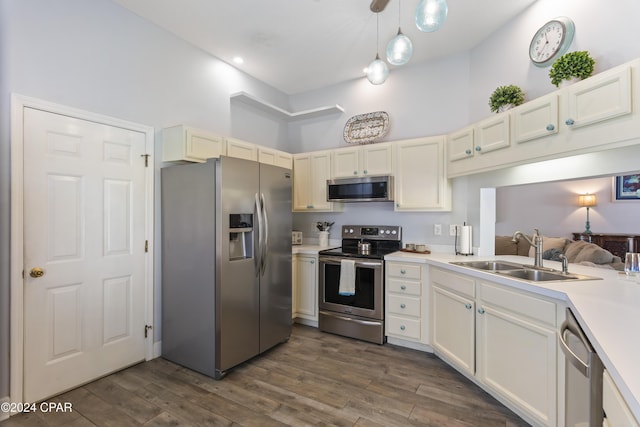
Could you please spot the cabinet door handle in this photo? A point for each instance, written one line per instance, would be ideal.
(467, 306)
(397, 205)
(481, 310)
(467, 152)
(403, 287)
(309, 206)
(570, 122)
(478, 148)
(365, 171)
(402, 327)
(403, 306)
(403, 272)
(355, 172)
(313, 262)
(550, 127)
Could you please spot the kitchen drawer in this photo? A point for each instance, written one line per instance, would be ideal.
(405, 287)
(403, 305)
(404, 327)
(517, 302)
(461, 285)
(406, 271)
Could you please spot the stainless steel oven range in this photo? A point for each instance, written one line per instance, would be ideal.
(351, 285)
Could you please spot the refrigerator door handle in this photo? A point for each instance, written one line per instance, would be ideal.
(265, 240)
(257, 259)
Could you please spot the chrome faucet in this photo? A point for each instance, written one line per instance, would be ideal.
(536, 243)
(565, 263)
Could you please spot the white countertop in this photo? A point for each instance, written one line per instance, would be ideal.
(608, 311)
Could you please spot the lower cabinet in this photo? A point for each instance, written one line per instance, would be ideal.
(406, 302)
(617, 413)
(503, 337)
(305, 288)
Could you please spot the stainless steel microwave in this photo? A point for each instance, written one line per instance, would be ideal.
(361, 189)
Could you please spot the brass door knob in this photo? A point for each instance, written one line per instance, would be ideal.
(36, 272)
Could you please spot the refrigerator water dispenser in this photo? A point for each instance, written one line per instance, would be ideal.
(240, 236)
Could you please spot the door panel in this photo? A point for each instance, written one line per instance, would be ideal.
(84, 227)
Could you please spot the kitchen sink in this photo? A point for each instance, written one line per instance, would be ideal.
(490, 265)
(544, 276)
(523, 272)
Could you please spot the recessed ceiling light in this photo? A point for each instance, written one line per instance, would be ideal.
(238, 60)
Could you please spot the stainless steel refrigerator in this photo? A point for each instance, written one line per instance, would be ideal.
(226, 262)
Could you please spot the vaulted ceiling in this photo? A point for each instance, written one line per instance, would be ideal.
(302, 45)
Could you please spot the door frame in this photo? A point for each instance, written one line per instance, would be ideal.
(16, 279)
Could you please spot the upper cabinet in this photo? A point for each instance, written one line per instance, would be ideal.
(310, 174)
(363, 160)
(598, 113)
(270, 156)
(241, 149)
(421, 182)
(190, 144)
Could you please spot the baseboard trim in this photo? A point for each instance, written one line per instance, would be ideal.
(157, 349)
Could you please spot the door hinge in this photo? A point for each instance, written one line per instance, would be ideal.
(146, 159)
(147, 328)
(146, 246)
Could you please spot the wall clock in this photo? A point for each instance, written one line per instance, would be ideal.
(551, 41)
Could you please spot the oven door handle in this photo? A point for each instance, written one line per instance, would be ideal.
(336, 261)
(351, 319)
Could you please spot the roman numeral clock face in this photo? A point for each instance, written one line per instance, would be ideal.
(551, 41)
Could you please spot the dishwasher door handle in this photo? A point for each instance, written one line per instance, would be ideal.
(579, 364)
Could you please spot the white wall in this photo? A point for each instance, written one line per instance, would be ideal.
(99, 57)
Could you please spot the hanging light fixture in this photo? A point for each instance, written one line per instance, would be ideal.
(377, 71)
(399, 48)
(431, 14)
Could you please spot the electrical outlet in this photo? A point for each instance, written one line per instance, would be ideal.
(452, 229)
(437, 229)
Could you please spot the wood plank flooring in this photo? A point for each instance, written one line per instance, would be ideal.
(315, 379)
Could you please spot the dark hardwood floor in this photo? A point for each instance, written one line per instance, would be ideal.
(313, 379)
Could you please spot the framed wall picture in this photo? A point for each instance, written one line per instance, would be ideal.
(626, 187)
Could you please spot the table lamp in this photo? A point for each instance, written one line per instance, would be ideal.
(587, 200)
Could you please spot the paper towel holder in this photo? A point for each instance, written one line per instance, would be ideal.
(466, 243)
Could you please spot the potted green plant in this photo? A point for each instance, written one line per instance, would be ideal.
(505, 97)
(571, 65)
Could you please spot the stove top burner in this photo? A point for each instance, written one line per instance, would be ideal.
(383, 240)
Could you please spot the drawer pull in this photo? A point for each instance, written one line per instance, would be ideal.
(403, 271)
(467, 152)
(550, 127)
(467, 306)
(403, 287)
(478, 148)
(403, 306)
(570, 122)
(402, 327)
(313, 262)
(481, 310)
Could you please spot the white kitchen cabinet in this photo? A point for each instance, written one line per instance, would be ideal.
(310, 174)
(275, 157)
(367, 160)
(241, 149)
(597, 113)
(535, 119)
(492, 134)
(190, 144)
(460, 144)
(405, 302)
(305, 288)
(453, 321)
(508, 343)
(421, 182)
(616, 409)
(516, 349)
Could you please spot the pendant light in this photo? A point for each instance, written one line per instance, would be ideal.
(399, 48)
(431, 14)
(377, 71)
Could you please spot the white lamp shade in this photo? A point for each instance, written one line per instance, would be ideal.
(377, 71)
(431, 14)
(399, 49)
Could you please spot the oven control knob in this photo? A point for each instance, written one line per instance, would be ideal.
(388, 232)
(350, 230)
(394, 232)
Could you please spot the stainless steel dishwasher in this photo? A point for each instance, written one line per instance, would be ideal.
(583, 381)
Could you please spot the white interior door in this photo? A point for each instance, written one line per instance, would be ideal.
(84, 231)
